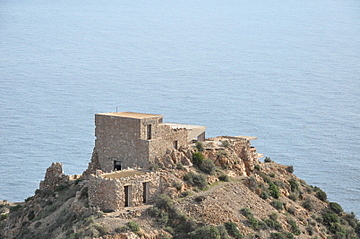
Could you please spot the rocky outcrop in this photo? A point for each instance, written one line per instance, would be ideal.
(54, 177)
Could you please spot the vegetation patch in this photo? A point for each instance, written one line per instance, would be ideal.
(197, 180)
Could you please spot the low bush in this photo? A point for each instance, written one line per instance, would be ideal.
(277, 204)
(307, 204)
(257, 167)
(320, 194)
(233, 230)
(199, 198)
(164, 202)
(291, 210)
(197, 180)
(267, 160)
(224, 178)
(264, 195)
(133, 226)
(290, 169)
(246, 212)
(207, 166)
(274, 224)
(274, 190)
(177, 185)
(209, 232)
(185, 194)
(294, 185)
(225, 143)
(335, 207)
(294, 196)
(294, 227)
(198, 158)
(199, 146)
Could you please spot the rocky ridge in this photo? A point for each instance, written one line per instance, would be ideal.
(211, 190)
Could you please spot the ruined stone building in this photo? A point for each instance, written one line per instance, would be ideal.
(136, 140)
(126, 145)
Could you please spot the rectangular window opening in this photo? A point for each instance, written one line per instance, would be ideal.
(117, 165)
(149, 131)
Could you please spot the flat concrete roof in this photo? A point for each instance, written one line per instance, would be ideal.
(246, 137)
(186, 126)
(123, 173)
(131, 115)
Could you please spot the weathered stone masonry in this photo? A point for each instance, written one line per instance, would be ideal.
(135, 140)
(135, 189)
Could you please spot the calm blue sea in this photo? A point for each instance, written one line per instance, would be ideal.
(287, 72)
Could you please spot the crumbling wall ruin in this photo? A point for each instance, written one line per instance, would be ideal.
(54, 177)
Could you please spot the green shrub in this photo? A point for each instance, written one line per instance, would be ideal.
(294, 227)
(225, 143)
(246, 212)
(290, 169)
(320, 194)
(273, 224)
(223, 233)
(133, 226)
(335, 207)
(277, 204)
(101, 229)
(199, 146)
(274, 190)
(164, 202)
(29, 198)
(197, 180)
(199, 198)
(307, 204)
(265, 178)
(177, 185)
(329, 218)
(209, 232)
(198, 158)
(185, 194)
(264, 195)
(274, 216)
(294, 185)
(267, 160)
(291, 210)
(294, 196)
(233, 230)
(224, 178)
(257, 167)
(207, 166)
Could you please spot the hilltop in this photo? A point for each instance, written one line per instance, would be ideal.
(222, 202)
(149, 179)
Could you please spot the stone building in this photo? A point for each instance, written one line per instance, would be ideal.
(136, 140)
(126, 188)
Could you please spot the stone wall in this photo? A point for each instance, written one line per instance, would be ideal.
(127, 140)
(109, 194)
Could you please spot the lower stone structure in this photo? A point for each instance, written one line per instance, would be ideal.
(127, 188)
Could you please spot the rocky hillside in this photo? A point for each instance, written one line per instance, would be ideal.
(224, 194)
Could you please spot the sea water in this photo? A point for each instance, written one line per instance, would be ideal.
(287, 72)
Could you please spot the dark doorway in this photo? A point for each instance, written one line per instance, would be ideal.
(149, 131)
(127, 193)
(117, 165)
(176, 144)
(145, 192)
